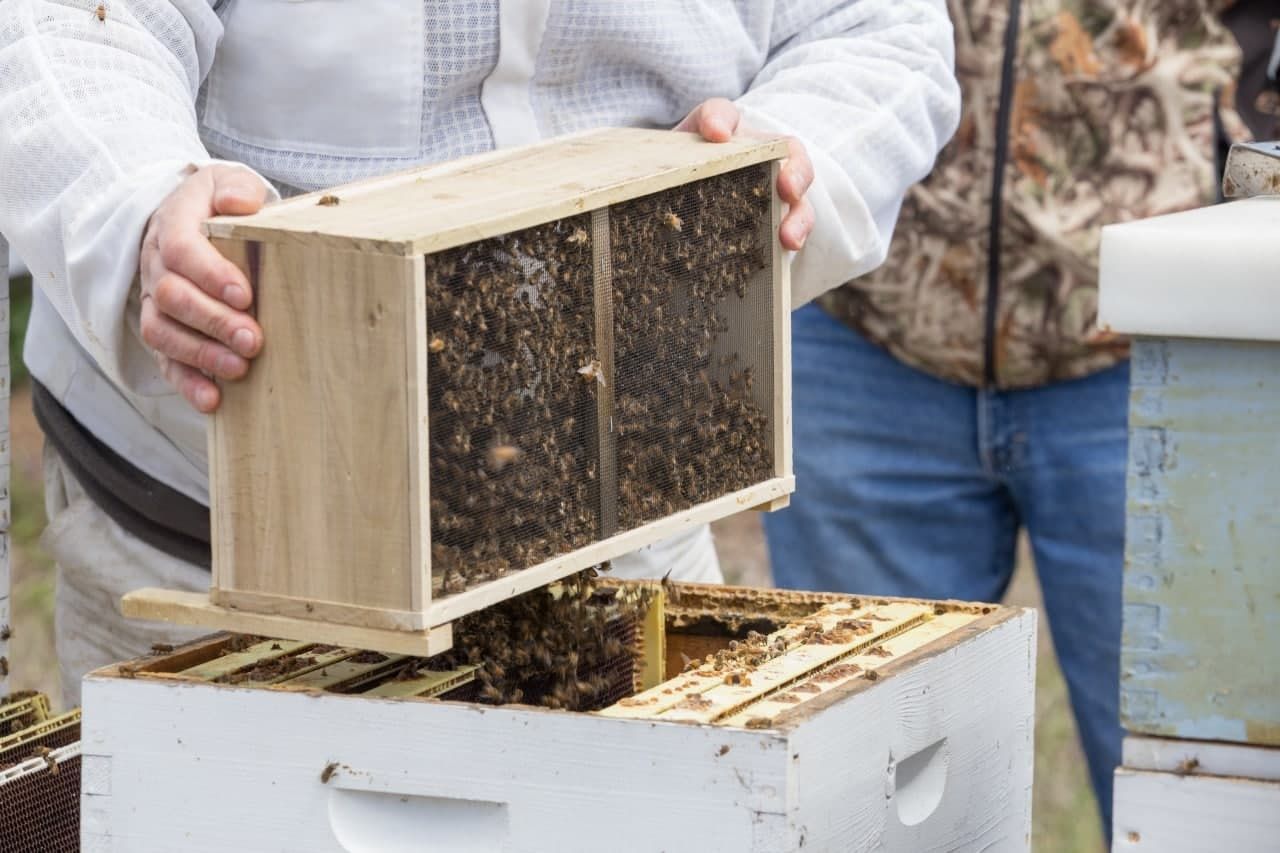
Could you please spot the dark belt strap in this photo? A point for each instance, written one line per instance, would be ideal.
(157, 514)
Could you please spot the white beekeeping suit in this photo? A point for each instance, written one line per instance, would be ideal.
(101, 110)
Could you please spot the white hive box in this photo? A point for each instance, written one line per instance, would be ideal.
(1200, 679)
(1177, 796)
(922, 741)
(1198, 290)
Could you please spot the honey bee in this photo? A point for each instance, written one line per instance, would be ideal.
(50, 762)
(669, 219)
(101, 12)
(592, 370)
(436, 345)
(1187, 766)
(578, 237)
(327, 200)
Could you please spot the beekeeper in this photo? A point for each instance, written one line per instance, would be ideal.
(125, 123)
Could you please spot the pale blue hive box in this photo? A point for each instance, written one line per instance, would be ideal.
(1200, 293)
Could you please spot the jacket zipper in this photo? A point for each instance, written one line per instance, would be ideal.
(1003, 121)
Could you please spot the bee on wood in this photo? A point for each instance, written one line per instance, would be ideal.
(1187, 766)
(101, 12)
(329, 201)
(50, 762)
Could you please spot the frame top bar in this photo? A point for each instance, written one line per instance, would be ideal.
(431, 208)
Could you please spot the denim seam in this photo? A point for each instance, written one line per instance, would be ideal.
(985, 432)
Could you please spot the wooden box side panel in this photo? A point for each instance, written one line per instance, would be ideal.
(315, 497)
(1202, 568)
(781, 276)
(950, 738)
(335, 773)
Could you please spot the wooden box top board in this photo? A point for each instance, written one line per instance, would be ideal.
(432, 208)
(336, 502)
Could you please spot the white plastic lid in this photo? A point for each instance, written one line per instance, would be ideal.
(1207, 273)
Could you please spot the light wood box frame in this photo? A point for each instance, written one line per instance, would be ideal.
(318, 460)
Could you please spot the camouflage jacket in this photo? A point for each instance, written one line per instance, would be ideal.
(1111, 114)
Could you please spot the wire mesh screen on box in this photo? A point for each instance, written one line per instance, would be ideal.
(513, 474)
(40, 806)
(597, 373)
(40, 785)
(692, 305)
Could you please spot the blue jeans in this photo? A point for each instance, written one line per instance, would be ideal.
(910, 486)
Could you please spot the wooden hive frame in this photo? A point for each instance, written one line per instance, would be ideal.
(821, 646)
(319, 469)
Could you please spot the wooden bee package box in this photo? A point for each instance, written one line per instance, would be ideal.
(645, 718)
(485, 375)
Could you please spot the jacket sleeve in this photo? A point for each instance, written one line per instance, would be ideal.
(97, 125)
(869, 87)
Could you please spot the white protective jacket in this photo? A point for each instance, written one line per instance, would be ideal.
(101, 109)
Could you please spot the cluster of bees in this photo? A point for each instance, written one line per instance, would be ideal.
(569, 646)
(514, 373)
(688, 427)
(740, 658)
(278, 668)
(511, 420)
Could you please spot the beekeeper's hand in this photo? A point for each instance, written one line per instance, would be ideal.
(195, 301)
(718, 120)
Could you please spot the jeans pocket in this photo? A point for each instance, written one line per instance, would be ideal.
(320, 77)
